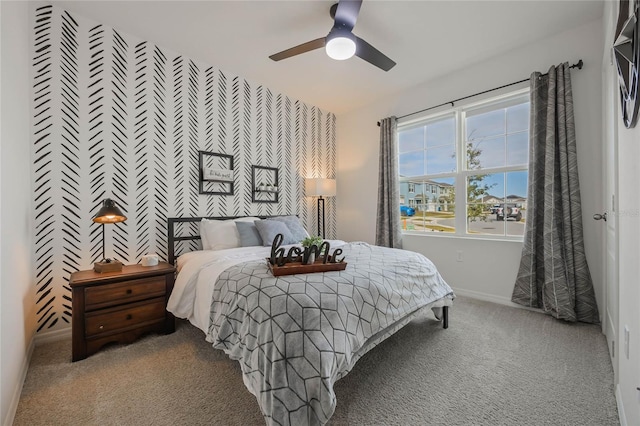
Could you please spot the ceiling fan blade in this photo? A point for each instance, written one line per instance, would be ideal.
(301, 48)
(347, 13)
(372, 55)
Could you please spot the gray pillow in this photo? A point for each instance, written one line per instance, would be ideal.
(293, 223)
(268, 229)
(249, 235)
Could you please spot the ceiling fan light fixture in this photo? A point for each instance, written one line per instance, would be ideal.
(340, 45)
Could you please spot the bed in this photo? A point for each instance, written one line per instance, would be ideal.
(296, 335)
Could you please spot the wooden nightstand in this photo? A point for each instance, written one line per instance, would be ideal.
(119, 306)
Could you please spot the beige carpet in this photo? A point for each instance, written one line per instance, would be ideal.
(495, 365)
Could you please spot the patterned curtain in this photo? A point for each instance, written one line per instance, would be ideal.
(388, 230)
(553, 273)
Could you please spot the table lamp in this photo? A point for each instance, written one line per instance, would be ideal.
(320, 187)
(108, 213)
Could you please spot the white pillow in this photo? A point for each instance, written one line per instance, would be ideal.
(221, 234)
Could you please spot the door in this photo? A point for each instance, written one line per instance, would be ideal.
(609, 222)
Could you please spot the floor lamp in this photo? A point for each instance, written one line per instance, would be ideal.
(320, 187)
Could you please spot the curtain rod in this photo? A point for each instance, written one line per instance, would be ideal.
(578, 65)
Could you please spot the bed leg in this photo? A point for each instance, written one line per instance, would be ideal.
(445, 317)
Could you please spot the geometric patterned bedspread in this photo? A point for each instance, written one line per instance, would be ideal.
(296, 335)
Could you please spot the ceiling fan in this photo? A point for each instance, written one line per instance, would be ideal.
(341, 43)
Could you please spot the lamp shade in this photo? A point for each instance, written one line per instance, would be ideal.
(109, 213)
(320, 187)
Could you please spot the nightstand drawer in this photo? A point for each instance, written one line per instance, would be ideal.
(123, 292)
(116, 320)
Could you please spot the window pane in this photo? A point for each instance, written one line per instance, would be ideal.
(517, 185)
(497, 203)
(441, 132)
(411, 164)
(494, 184)
(486, 153)
(485, 195)
(485, 188)
(440, 216)
(518, 149)
(420, 199)
(411, 140)
(434, 209)
(518, 118)
(516, 201)
(440, 160)
(487, 124)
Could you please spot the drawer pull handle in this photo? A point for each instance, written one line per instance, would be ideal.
(129, 291)
(129, 316)
(101, 327)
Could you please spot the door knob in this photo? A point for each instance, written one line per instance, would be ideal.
(599, 216)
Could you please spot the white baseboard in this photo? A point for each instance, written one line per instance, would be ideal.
(53, 336)
(491, 298)
(621, 415)
(15, 399)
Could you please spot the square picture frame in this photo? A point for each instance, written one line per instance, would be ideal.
(216, 173)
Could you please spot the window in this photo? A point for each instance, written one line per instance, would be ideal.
(468, 167)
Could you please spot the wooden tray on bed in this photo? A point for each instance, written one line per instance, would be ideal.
(298, 268)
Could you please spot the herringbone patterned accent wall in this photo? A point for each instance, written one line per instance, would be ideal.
(115, 116)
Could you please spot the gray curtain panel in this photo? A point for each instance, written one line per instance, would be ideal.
(388, 230)
(553, 273)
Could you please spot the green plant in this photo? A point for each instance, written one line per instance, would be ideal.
(312, 241)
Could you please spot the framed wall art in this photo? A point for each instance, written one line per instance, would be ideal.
(216, 173)
(264, 184)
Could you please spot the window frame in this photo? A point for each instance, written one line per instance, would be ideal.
(461, 175)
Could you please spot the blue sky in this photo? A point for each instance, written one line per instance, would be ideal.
(516, 184)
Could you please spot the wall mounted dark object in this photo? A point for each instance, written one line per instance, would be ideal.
(264, 184)
(626, 50)
(216, 173)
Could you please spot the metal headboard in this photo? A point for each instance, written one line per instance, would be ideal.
(173, 239)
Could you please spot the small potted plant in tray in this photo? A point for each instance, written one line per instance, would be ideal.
(312, 241)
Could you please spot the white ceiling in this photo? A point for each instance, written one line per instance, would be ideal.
(427, 39)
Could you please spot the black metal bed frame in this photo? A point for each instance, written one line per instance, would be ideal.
(172, 239)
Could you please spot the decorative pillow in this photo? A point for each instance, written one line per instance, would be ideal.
(293, 223)
(221, 234)
(249, 235)
(268, 229)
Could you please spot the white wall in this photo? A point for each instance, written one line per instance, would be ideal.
(494, 262)
(17, 308)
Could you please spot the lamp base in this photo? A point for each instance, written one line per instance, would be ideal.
(112, 266)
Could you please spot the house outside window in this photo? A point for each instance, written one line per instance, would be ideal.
(468, 167)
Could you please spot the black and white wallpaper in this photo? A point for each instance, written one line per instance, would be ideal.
(115, 116)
